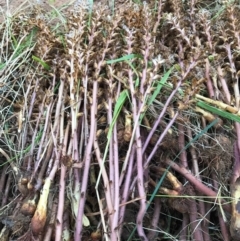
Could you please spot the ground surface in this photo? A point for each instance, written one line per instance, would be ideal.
(18, 3)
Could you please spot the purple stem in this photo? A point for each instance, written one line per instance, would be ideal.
(111, 155)
(183, 233)
(223, 225)
(59, 222)
(224, 85)
(48, 156)
(236, 166)
(140, 179)
(234, 74)
(193, 155)
(87, 161)
(208, 78)
(181, 143)
(127, 184)
(194, 220)
(116, 182)
(106, 182)
(155, 219)
(205, 222)
(160, 139)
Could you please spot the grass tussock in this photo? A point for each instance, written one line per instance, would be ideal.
(120, 125)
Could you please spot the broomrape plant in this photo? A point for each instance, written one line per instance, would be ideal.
(121, 122)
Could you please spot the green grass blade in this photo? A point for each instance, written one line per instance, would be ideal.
(44, 64)
(157, 91)
(160, 84)
(218, 111)
(26, 43)
(124, 58)
(136, 73)
(119, 104)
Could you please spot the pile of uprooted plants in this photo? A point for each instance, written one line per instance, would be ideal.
(121, 125)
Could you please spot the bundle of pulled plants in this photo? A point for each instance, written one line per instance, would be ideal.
(121, 124)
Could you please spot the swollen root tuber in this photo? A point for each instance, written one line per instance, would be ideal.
(40, 215)
(29, 206)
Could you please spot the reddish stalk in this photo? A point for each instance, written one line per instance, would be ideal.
(139, 156)
(111, 155)
(45, 163)
(200, 187)
(223, 224)
(66, 222)
(208, 79)
(126, 186)
(155, 219)
(116, 184)
(184, 231)
(136, 114)
(224, 85)
(194, 221)
(202, 209)
(172, 121)
(108, 194)
(205, 222)
(236, 166)
(234, 74)
(87, 161)
(181, 143)
(62, 185)
(116, 161)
